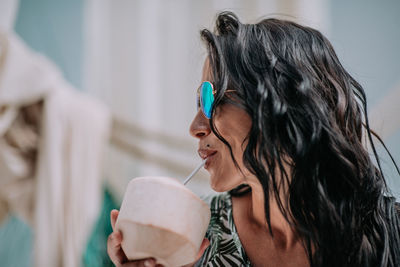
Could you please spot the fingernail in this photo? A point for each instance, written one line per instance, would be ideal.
(147, 263)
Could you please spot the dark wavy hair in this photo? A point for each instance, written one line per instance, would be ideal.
(309, 113)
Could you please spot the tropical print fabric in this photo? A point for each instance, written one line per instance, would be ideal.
(225, 248)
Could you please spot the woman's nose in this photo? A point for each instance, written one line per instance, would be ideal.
(200, 126)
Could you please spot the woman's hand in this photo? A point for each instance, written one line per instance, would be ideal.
(118, 256)
(115, 251)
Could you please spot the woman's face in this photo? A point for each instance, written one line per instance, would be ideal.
(233, 124)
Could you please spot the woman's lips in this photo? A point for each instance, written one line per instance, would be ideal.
(209, 159)
(207, 154)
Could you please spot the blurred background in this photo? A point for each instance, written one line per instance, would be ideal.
(142, 59)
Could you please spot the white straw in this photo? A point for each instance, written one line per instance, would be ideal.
(194, 172)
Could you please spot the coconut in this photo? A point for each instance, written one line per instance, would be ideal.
(160, 218)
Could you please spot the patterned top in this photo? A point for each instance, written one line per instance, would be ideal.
(225, 248)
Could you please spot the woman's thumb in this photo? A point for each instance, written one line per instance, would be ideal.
(204, 245)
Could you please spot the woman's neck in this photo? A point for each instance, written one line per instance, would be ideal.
(283, 234)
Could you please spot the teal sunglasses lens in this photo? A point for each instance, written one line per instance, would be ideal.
(206, 98)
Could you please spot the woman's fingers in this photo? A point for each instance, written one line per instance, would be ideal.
(118, 257)
(114, 249)
(114, 217)
(203, 247)
(141, 263)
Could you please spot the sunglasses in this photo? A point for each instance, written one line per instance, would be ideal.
(205, 98)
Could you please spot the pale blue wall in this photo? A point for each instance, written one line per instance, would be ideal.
(366, 36)
(55, 28)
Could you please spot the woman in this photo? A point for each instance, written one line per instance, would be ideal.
(283, 127)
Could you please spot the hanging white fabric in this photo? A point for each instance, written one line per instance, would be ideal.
(73, 132)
